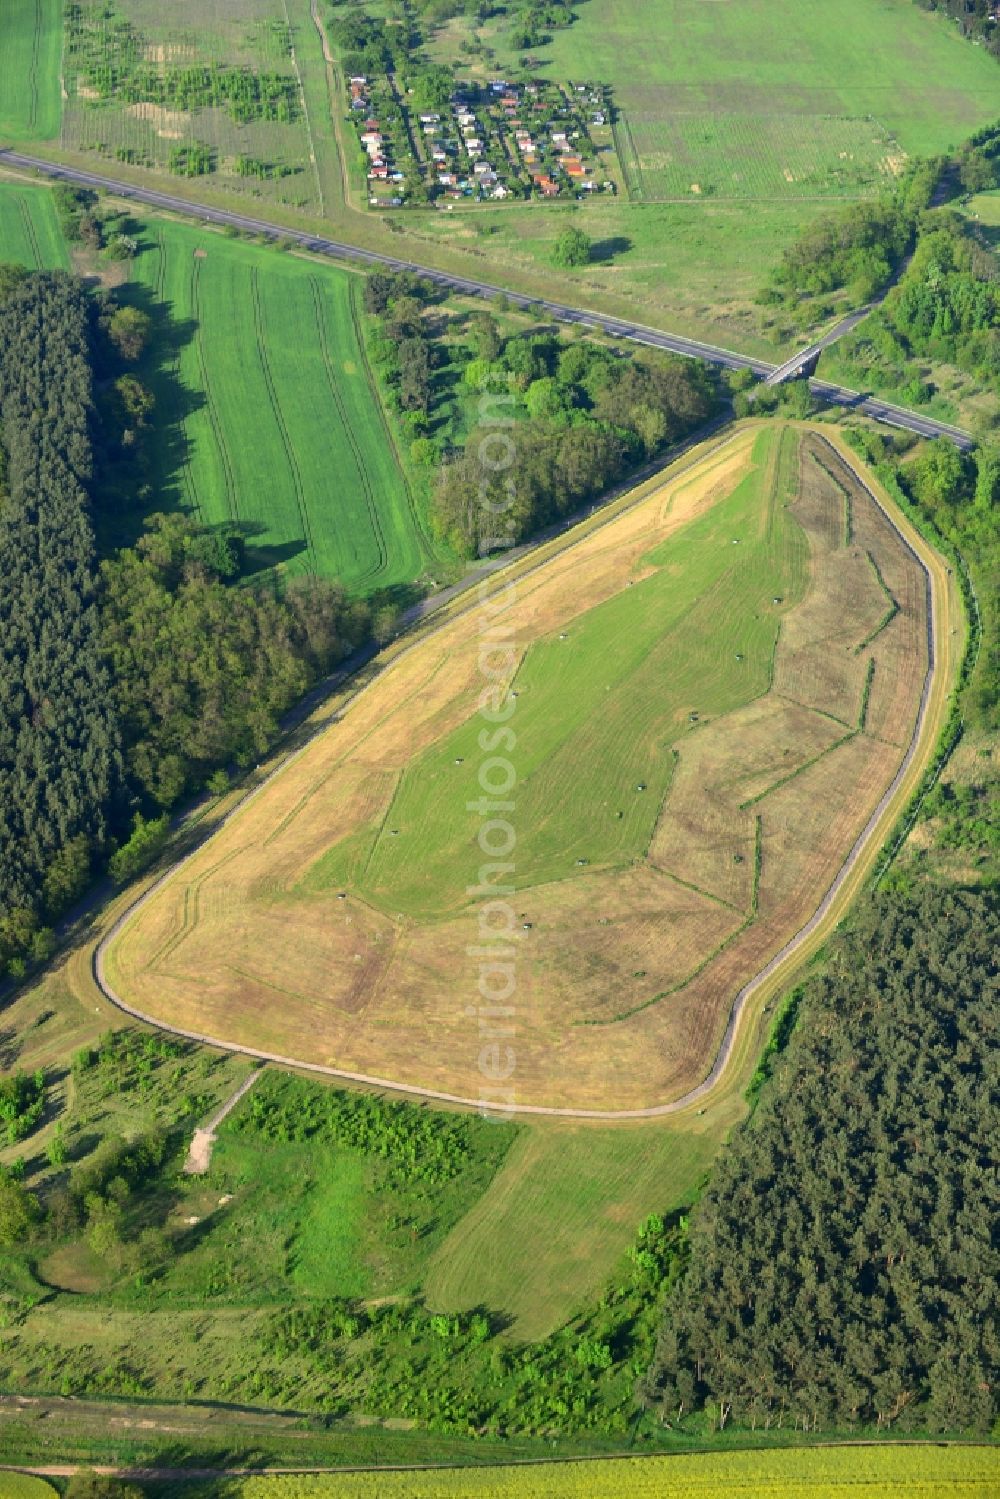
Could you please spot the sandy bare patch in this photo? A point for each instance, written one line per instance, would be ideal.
(170, 124)
(166, 52)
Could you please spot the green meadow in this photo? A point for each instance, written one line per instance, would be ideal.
(268, 416)
(30, 52)
(776, 98)
(29, 230)
(601, 706)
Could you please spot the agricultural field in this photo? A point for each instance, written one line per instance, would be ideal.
(29, 230)
(712, 693)
(702, 154)
(871, 1472)
(23, 1486)
(221, 100)
(30, 53)
(284, 436)
(769, 101)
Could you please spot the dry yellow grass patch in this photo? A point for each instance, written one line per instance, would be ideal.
(170, 124)
(626, 975)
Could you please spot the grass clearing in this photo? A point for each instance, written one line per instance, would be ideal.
(710, 623)
(30, 53)
(285, 436)
(702, 155)
(690, 266)
(873, 1472)
(548, 1231)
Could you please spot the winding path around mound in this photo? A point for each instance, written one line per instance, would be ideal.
(772, 977)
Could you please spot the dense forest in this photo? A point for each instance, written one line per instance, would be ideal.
(203, 671)
(946, 304)
(843, 1263)
(124, 684)
(61, 767)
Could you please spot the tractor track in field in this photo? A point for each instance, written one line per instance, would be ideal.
(151, 1472)
(187, 480)
(215, 421)
(341, 409)
(386, 426)
(36, 40)
(272, 394)
(784, 959)
(29, 232)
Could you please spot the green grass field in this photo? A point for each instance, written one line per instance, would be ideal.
(983, 209)
(23, 1486)
(30, 50)
(29, 231)
(923, 1472)
(593, 714)
(694, 267)
(267, 415)
(546, 1235)
(777, 98)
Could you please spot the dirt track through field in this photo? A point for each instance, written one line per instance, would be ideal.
(199, 1156)
(776, 971)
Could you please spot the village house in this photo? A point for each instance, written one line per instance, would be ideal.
(546, 186)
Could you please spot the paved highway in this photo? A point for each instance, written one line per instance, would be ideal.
(691, 348)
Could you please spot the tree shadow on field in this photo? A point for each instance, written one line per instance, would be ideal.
(10, 1048)
(603, 250)
(149, 476)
